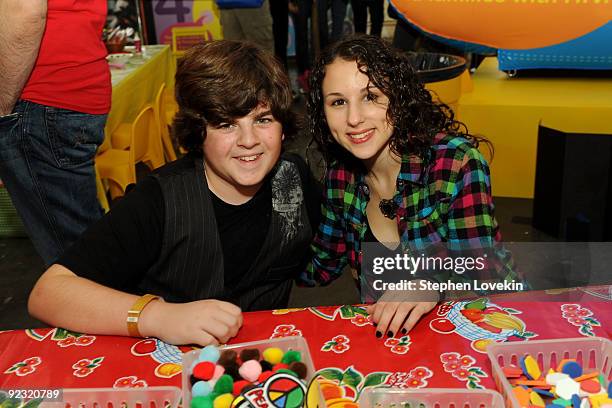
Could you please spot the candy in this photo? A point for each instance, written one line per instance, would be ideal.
(223, 401)
(239, 386)
(224, 385)
(219, 371)
(299, 368)
(250, 370)
(249, 354)
(209, 353)
(264, 376)
(265, 366)
(202, 402)
(273, 355)
(287, 371)
(280, 366)
(291, 356)
(228, 357)
(201, 389)
(204, 370)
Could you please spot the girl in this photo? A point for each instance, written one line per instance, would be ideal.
(400, 170)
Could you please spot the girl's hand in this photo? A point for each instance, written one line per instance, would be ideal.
(395, 312)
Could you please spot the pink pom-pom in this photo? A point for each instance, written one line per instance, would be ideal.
(219, 371)
(250, 370)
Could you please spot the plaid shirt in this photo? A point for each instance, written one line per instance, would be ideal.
(446, 199)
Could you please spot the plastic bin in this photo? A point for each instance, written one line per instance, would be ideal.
(149, 397)
(297, 343)
(430, 398)
(592, 353)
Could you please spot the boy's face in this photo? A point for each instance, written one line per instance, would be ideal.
(240, 154)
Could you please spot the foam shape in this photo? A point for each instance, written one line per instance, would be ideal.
(536, 400)
(209, 353)
(522, 395)
(590, 386)
(554, 378)
(572, 368)
(567, 387)
(530, 367)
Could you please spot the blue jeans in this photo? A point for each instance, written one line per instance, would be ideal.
(47, 165)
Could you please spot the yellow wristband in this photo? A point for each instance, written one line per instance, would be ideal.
(134, 314)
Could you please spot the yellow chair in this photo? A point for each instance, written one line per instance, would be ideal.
(118, 165)
(163, 111)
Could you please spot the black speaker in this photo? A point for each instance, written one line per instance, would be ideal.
(573, 185)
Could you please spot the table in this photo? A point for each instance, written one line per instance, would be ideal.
(508, 112)
(341, 340)
(137, 85)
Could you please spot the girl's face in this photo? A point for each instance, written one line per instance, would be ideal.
(356, 111)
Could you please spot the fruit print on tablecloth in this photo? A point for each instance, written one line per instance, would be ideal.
(462, 368)
(63, 337)
(85, 366)
(167, 355)
(285, 330)
(130, 381)
(399, 345)
(481, 322)
(25, 367)
(344, 387)
(580, 317)
(338, 344)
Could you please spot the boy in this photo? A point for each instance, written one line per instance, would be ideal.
(225, 228)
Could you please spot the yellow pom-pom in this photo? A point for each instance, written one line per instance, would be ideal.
(273, 355)
(223, 401)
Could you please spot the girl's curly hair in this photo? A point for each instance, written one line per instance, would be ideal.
(415, 117)
(220, 81)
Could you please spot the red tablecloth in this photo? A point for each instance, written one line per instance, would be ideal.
(444, 349)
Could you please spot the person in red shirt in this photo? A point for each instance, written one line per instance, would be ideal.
(55, 96)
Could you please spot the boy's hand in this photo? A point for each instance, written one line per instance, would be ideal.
(202, 322)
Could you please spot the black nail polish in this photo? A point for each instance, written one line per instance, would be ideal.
(378, 334)
(404, 331)
(375, 324)
(389, 333)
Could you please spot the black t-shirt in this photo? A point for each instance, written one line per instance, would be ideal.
(117, 250)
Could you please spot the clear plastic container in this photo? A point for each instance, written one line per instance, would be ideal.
(592, 353)
(430, 398)
(297, 343)
(149, 397)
